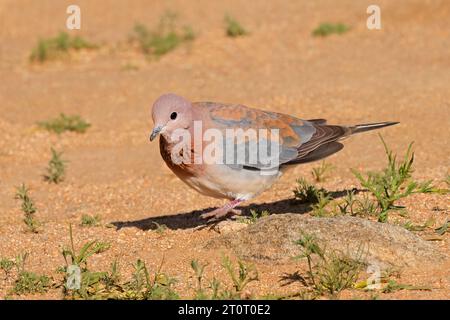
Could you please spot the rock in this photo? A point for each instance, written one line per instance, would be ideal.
(272, 239)
(228, 226)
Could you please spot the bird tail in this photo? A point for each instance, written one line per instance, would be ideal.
(370, 126)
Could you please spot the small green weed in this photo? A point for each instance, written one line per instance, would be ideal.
(58, 46)
(56, 168)
(89, 281)
(28, 209)
(393, 286)
(142, 286)
(199, 270)
(408, 225)
(245, 275)
(6, 265)
(321, 173)
(254, 216)
(394, 182)
(65, 123)
(234, 28)
(90, 221)
(443, 229)
(164, 38)
(160, 228)
(29, 282)
(318, 209)
(356, 206)
(326, 29)
(107, 284)
(308, 193)
(333, 271)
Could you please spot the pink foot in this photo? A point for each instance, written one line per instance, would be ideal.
(223, 211)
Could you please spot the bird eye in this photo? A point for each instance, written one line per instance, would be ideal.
(173, 115)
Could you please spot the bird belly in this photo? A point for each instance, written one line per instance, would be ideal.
(221, 181)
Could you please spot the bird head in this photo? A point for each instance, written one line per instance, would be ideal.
(170, 112)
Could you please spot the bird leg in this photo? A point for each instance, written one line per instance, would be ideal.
(223, 211)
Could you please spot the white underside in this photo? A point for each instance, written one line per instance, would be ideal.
(221, 181)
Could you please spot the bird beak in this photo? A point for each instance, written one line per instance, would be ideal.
(155, 132)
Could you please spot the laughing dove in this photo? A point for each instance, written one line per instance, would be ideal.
(188, 130)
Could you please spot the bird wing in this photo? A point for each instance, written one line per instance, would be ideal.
(296, 139)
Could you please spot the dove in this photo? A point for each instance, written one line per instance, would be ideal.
(197, 143)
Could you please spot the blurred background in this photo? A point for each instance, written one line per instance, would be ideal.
(87, 94)
(279, 55)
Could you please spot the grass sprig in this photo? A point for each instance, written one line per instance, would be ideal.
(56, 168)
(28, 208)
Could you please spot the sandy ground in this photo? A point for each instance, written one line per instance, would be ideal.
(400, 73)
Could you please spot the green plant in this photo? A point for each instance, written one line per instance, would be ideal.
(394, 182)
(443, 229)
(408, 225)
(333, 271)
(338, 272)
(367, 206)
(142, 286)
(111, 279)
(80, 282)
(355, 206)
(326, 29)
(6, 265)
(56, 168)
(89, 281)
(254, 216)
(107, 284)
(29, 282)
(318, 209)
(79, 43)
(320, 173)
(28, 209)
(140, 277)
(199, 270)
(65, 123)
(58, 46)
(164, 38)
(245, 275)
(90, 221)
(233, 27)
(212, 292)
(310, 246)
(393, 286)
(159, 228)
(347, 205)
(307, 193)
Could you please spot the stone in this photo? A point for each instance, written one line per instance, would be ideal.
(228, 226)
(272, 240)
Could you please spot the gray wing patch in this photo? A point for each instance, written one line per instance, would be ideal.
(263, 155)
(266, 154)
(305, 131)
